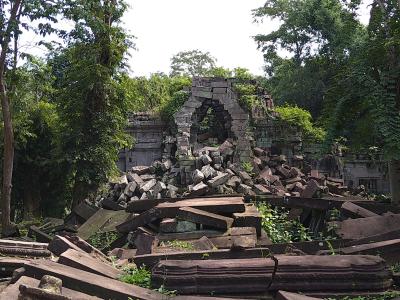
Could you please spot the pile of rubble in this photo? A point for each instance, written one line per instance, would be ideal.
(202, 246)
(215, 173)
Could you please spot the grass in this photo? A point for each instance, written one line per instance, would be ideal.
(180, 245)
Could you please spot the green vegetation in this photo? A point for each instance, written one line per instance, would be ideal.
(345, 73)
(142, 277)
(179, 245)
(279, 228)
(102, 240)
(137, 276)
(301, 118)
(247, 167)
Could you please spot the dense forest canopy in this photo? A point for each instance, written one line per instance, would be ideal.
(63, 116)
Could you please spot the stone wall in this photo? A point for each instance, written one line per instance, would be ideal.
(148, 132)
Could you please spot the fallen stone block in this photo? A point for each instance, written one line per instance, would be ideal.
(355, 211)
(282, 295)
(205, 159)
(170, 210)
(61, 244)
(197, 176)
(173, 225)
(133, 177)
(89, 283)
(205, 218)
(283, 171)
(148, 186)
(218, 180)
(251, 217)
(19, 248)
(364, 227)
(38, 235)
(84, 262)
(103, 221)
(293, 273)
(9, 265)
(259, 189)
(258, 152)
(244, 189)
(311, 189)
(145, 240)
(209, 172)
(141, 170)
(234, 181)
(203, 244)
(388, 250)
(199, 189)
(12, 291)
(122, 253)
(130, 189)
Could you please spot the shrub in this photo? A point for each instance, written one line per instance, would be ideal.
(297, 116)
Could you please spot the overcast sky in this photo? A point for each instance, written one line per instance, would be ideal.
(165, 27)
(222, 27)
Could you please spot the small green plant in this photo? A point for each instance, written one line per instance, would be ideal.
(205, 256)
(166, 292)
(102, 240)
(247, 166)
(137, 276)
(395, 267)
(279, 228)
(182, 245)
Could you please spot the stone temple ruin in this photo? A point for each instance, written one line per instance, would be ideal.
(155, 140)
(195, 211)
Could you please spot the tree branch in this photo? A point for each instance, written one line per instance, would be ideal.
(7, 34)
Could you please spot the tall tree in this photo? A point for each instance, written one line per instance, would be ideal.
(305, 52)
(11, 14)
(192, 63)
(7, 27)
(91, 102)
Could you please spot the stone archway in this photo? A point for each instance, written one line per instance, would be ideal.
(216, 93)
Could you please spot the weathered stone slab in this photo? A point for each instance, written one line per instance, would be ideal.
(282, 295)
(203, 243)
(206, 218)
(141, 170)
(61, 244)
(199, 189)
(12, 291)
(89, 283)
(353, 210)
(311, 189)
(103, 220)
(170, 210)
(148, 186)
(251, 217)
(218, 180)
(364, 227)
(19, 248)
(145, 241)
(84, 262)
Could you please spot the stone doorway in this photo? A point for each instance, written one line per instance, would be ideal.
(215, 94)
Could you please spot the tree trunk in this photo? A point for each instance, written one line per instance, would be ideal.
(8, 158)
(394, 177)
